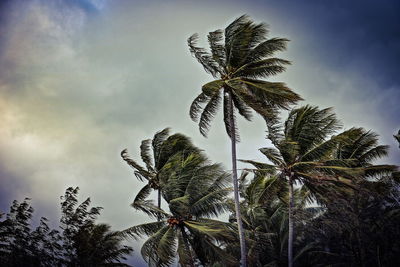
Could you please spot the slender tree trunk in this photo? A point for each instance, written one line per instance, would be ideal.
(291, 225)
(243, 261)
(159, 203)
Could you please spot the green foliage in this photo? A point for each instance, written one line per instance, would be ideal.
(239, 57)
(81, 242)
(20, 245)
(195, 192)
(159, 155)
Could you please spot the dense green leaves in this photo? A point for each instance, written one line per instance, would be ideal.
(81, 241)
(195, 191)
(239, 57)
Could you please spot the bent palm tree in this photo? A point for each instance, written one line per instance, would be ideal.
(163, 147)
(303, 154)
(240, 56)
(196, 191)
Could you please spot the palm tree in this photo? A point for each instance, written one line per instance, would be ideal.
(196, 191)
(156, 153)
(303, 154)
(240, 56)
(362, 147)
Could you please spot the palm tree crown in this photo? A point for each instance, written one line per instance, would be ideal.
(240, 56)
(157, 153)
(196, 192)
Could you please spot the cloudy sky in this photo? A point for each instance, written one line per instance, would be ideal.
(80, 80)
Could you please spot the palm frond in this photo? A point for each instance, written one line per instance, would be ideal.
(272, 155)
(277, 93)
(242, 107)
(167, 245)
(183, 250)
(148, 207)
(215, 40)
(377, 171)
(141, 230)
(241, 36)
(151, 245)
(157, 143)
(211, 204)
(267, 49)
(209, 112)
(143, 193)
(140, 172)
(310, 126)
(261, 168)
(203, 57)
(197, 106)
(145, 154)
(374, 153)
(262, 69)
(211, 228)
(212, 88)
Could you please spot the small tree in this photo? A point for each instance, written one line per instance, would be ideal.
(86, 243)
(22, 246)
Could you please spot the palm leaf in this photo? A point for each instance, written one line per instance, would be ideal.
(197, 106)
(140, 172)
(167, 245)
(202, 56)
(267, 48)
(146, 229)
(209, 112)
(157, 143)
(215, 39)
(145, 154)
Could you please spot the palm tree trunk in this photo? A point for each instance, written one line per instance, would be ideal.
(159, 203)
(291, 225)
(243, 262)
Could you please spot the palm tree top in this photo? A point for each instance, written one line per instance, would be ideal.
(239, 57)
(196, 192)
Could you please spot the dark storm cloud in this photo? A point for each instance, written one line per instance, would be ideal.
(351, 35)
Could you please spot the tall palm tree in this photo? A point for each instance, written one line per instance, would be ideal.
(196, 192)
(156, 153)
(303, 154)
(240, 57)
